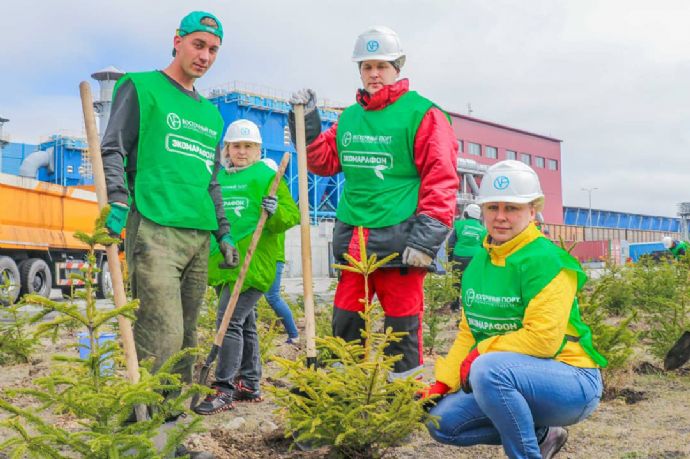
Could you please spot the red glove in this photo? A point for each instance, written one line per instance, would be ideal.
(465, 370)
(432, 390)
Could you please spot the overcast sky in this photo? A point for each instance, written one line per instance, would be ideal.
(609, 78)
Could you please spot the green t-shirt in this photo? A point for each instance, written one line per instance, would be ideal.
(470, 234)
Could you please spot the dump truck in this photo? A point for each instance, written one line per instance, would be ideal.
(38, 250)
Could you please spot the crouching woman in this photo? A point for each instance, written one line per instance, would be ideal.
(245, 184)
(523, 357)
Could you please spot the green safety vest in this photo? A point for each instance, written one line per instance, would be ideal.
(376, 152)
(681, 245)
(242, 194)
(495, 297)
(470, 233)
(176, 153)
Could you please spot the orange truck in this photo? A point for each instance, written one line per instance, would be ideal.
(38, 249)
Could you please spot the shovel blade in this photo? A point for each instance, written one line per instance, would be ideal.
(679, 353)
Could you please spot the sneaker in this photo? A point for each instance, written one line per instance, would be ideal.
(215, 403)
(553, 442)
(243, 393)
(293, 341)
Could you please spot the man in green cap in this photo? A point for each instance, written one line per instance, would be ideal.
(161, 155)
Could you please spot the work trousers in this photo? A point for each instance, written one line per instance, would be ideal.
(168, 269)
(239, 354)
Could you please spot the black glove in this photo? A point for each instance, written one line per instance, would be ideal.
(231, 257)
(270, 205)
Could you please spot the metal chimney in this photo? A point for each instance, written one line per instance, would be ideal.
(106, 80)
(3, 140)
(684, 214)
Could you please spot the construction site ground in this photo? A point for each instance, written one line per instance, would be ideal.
(646, 414)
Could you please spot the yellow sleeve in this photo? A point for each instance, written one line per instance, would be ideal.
(447, 369)
(545, 321)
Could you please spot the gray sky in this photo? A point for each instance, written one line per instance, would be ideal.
(610, 78)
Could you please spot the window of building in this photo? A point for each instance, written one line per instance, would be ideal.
(510, 154)
(526, 158)
(475, 149)
(461, 145)
(553, 165)
(491, 152)
(539, 161)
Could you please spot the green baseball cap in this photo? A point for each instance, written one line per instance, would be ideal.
(200, 21)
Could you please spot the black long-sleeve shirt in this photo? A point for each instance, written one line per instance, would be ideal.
(119, 151)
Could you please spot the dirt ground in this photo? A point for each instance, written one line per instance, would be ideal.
(648, 416)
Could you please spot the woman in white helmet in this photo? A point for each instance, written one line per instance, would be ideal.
(464, 242)
(245, 183)
(523, 364)
(398, 153)
(677, 248)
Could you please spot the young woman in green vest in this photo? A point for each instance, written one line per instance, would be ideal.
(523, 364)
(464, 242)
(244, 185)
(398, 153)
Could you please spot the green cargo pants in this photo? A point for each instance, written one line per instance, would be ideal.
(168, 270)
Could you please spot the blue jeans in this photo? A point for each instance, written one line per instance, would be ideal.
(279, 305)
(515, 398)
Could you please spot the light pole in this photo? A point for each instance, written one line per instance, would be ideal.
(589, 214)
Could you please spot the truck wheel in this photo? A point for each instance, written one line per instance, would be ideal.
(36, 277)
(9, 272)
(104, 289)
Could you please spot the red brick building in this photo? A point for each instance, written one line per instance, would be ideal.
(486, 143)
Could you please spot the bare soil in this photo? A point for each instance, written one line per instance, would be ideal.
(645, 414)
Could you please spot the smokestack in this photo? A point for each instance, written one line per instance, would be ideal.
(106, 80)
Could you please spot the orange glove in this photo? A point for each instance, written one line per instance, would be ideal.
(431, 393)
(465, 370)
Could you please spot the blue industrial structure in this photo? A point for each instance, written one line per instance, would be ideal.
(271, 115)
(579, 216)
(68, 166)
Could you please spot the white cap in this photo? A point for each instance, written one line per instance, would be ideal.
(668, 242)
(511, 181)
(379, 43)
(243, 131)
(473, 211)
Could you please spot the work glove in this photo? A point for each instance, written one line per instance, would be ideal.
(231, 257)
(117, 218)
(270, 205)
(306, 97)
(312, 119)
(465, 370)
(431, 394)
(417, 258)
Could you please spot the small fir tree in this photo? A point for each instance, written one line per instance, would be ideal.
(100, 401)
(351, 403)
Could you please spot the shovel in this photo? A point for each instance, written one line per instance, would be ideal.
(679, 353)
(230, 308)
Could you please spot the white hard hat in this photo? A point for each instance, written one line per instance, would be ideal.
(473, 211)
(379, 43)
(668, 242)
(511, 181)
(243, 131)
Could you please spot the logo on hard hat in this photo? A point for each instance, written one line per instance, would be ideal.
(469, 298)
(174, 121)
(372, 45)
(501, 182)
(347, 139)
(244, 131)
